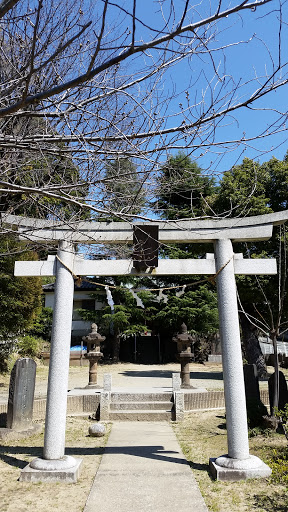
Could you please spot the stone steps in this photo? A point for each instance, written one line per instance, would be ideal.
(140, 415)
(126, 406)
(141, 397)
(141, 406)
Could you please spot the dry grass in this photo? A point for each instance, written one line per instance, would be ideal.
(203, 435)
(43, 497)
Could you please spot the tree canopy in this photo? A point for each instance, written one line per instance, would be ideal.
(100, 82)
(183, 188)
(124, 190)
(20, 297)
(254, 189)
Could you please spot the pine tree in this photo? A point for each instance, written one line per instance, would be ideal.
(183, 188)
(123, 188)
(254, 189)
(20, 297)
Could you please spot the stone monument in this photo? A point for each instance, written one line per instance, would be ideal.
(283, 392)
(94, 353)
(20, 400)
(251, 382)
(185, 355)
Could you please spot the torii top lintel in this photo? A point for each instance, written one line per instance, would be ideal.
(195, 231)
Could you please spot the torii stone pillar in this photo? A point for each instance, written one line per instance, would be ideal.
(237, 430)
(54, 441)
(237, 464)
(55, 465)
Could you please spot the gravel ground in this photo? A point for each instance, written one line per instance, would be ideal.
(131, 376)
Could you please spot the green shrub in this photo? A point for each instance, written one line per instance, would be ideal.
(282, 415)
(279, 466)
(5, 351)
(29, 346)
(42, 325)
(262, 431)
(202, 348)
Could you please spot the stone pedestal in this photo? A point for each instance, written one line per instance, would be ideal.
(232, 470)
(185, 355)
(93, 341)
(185, 358)
(93, 369)
(39, 470)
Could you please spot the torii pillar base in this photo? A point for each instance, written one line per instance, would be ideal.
(235, 469)
(40, 470)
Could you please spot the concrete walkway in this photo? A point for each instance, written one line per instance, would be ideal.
(143, 469)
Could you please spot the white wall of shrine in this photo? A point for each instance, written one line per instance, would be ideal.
(82, 300)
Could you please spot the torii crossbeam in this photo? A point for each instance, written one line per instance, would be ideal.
(224, 265)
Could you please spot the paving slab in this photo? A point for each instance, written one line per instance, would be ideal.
(144, 469)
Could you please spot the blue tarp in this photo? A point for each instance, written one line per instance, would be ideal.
(78, 347)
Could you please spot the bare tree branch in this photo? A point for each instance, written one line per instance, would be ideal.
(155, 43)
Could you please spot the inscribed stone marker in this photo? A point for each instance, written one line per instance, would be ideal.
(283, 392)
(21, 394)
(251, 382)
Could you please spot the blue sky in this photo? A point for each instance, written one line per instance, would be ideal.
(242, 62)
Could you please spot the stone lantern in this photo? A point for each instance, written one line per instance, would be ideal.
(93, 341)
(185, 356)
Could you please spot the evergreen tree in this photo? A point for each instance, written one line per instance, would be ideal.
(183, 188)
(123, 188)
(254, 189)
(20, 297)
(184, 192)
(243, 191)
(125, 318)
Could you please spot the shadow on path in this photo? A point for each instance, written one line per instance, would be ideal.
(148, 452)
(7, 453)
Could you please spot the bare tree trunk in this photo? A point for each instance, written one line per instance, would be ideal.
(251, 346)
(276, 370)
(116, 347)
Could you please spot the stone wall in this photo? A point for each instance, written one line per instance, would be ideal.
(90, 403)
(75, 405)
(212, 400)
(76, 358)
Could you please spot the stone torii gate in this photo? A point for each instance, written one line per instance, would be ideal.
(225, 264)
